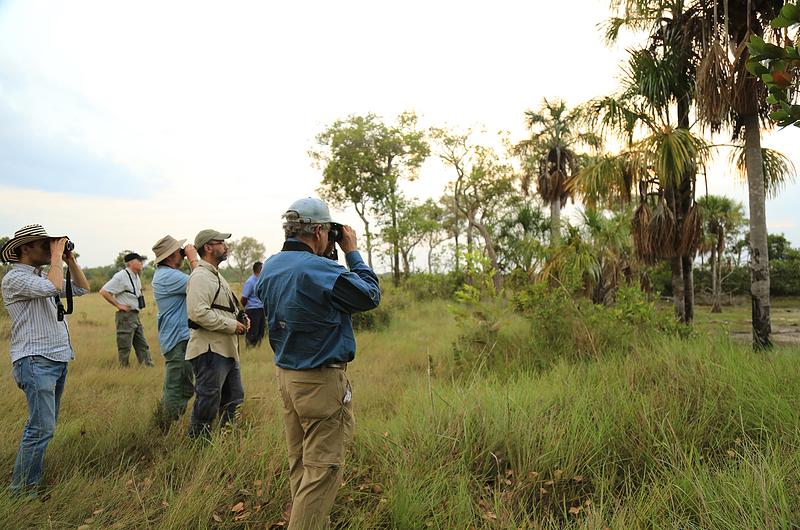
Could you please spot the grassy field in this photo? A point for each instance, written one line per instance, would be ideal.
(685, 434)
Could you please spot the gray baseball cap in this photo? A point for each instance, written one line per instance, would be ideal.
(204, 236)
(311, 210)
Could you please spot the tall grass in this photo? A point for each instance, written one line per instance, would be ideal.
(697, 433)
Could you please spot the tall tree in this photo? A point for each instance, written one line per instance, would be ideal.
(244, 252)
(655, 162)
(412, 225)
(454, 148)
(482, 185)
(550, 157)
(364, 160)
(730, 96)
(663, 72)
(432, 220)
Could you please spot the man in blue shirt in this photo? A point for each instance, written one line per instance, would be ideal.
(169, 289)
(254, 308)
(308, 300)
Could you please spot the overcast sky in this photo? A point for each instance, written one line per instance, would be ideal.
(122, 122)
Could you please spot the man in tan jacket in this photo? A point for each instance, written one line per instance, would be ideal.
(213, 348)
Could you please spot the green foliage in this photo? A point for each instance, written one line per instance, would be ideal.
(565, 327)
(421, 286)
(375, 320)
(779, 68)
(364, 159)
(243, 253)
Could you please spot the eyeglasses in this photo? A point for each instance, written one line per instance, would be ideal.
(212, 243)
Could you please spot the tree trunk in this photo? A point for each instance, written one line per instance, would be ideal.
(497, 278)
(362, 214)
(677, 287)
(395, 246)
(456, 251)
(405, 264)
(718, 293)
(688, 289)
(759, 257)
(430, 259)
(555, 223)
(683, 199)
(393, 212)
(715, 289)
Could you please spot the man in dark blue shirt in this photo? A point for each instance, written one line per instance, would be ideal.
(308, 300)
(254, 308)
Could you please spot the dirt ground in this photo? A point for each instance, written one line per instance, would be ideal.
(735, 319)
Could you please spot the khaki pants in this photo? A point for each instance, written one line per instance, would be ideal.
(130, 333)
(318, 416)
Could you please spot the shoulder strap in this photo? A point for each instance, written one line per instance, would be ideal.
(231, 299)
(132, 285)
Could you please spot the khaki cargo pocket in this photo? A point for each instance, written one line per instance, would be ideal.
(316, 397)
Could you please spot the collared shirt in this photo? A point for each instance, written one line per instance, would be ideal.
(35, 329)
(169, 289)
(249, 292)
(126, 287)
(217, 332)
(309, 300)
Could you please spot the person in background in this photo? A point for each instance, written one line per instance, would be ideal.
(309, 299)
(213, 347)
(254, 308)
(124, 292)
(40, 348)
(169, 290)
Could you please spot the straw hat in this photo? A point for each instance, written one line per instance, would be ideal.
(26, 234)
(165, 246)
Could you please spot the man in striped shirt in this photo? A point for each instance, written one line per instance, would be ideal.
(40, 345)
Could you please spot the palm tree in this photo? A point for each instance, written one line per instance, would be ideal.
(728, 95)
(659, 162)
(723, 216)
(550, 156)
(712, 37)
(597, 253)
(663, 73)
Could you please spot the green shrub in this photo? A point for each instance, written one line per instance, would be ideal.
(424, 286)
(392, 301)
(374, 320)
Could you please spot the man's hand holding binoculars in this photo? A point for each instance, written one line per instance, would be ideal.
(348, 241)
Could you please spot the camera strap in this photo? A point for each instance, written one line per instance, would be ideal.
(69, 293)
(229, 309)
(231, 299)
(60, 311)
(133, 286)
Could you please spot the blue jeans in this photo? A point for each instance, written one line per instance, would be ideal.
(218, 390)
(43, 381)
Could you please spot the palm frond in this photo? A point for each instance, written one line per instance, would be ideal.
(604, 179)
(662, 231)
(672, 153)
(691, 232)
(714, 87)
(779, 171)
